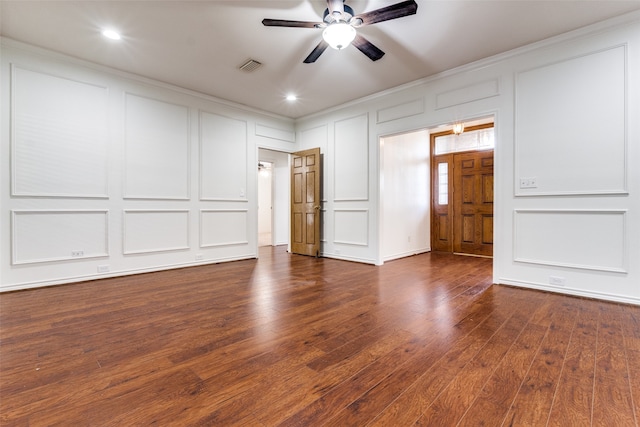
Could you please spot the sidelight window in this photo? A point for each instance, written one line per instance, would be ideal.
(443, 183)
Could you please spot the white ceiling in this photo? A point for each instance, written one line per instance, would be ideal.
(199, 45)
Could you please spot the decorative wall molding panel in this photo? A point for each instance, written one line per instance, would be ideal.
(157, 149)
(351, 226)
(351, 159)
(400, 111)
(223, 158)
(58, 235)
(223, 227)
(59, 136)
(572, 114)
(463, 95)
(582, 239)
(155, 230)
(273, 133)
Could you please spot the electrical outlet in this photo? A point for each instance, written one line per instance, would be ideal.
(103, 269)
(531, 182)
(76, 254)
(556, 280)
(199, 257)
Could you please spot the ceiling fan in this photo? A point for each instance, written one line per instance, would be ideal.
(340, 24)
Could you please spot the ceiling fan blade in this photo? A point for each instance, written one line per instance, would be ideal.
(316, 52)
(368, 48)
(397, 10)
(287, 23)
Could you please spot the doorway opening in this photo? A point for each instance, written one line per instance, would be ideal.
(273, 198)
(462, 190)
(404, 194)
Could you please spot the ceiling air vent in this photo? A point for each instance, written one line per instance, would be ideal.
(250, 65)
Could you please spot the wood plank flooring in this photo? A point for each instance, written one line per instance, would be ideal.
(289, 340)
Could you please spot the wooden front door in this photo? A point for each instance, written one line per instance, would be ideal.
(473, 203)
(305, 202)
(462, 203)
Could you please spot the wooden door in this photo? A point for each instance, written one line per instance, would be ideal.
(305, 202)
(473, 203)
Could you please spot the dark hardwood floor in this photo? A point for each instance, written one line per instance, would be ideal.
(297, 341)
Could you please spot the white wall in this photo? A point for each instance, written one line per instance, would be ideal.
(112, 191)
(102, 173)
(349, 184)
(265, 183)
(405, 194)
(566, 114)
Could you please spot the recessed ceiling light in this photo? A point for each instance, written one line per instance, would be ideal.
(111, 34)
(291, 97)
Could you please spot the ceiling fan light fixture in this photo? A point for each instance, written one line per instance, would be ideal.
(339, 35)
(340, 24)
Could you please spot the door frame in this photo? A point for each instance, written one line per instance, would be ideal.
(261, 188)
(434, 181)
(280, 185)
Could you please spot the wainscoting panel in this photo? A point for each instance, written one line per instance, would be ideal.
(273, 133)
(474, 92)
(583, 239)
(59, 138)
(351, 159)
(148, 231)
(223, 227)
(58, 235)
(156, 149)
(571, 126)
(351, 226)
(223, 158)
(396, 112)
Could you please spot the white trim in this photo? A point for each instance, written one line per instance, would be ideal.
(120, 273)
(568, 291)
